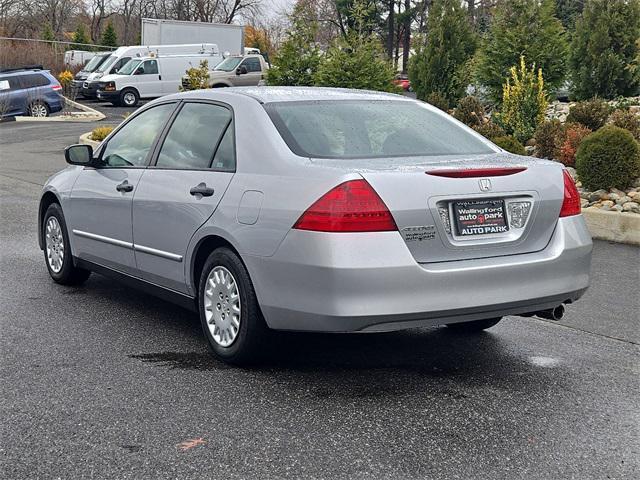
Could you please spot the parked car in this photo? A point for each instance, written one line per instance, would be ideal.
(147, 77)
(29, 91)
(121, 56)
(235, 71)
(91, 66)
(75, 58)
(316, 209)
(403, 82)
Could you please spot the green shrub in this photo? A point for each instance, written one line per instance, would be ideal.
(510, 144)
(197, 77)
(569, 142)
(438, 100)
(546, 137)
(627, 120)
(592, 113)
(608, 158)
(490, 130)
(100, 133)
(524, 102)
(470, 111)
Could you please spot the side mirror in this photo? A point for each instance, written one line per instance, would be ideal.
(79, 155)
(241, 70)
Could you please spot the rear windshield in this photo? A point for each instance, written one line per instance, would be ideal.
(369, 129)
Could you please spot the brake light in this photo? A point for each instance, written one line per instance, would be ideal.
(56, 87)
(571, 202)
(353, 206)
(477, 172)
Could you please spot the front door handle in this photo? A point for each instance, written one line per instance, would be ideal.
(124, 187)
(202, 189)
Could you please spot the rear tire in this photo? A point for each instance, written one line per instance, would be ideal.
(229, 312)
(38, 109)
(474, 326)
(57, 250)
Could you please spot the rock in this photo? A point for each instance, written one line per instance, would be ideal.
(599, 195)
(635, 109)
(618, 192)
(623, 200)
(585, 195)
(608, 203)
(529, 150)
(584, 202)
(617, 207)
(631, 207)
(615, 197)
(579, 184)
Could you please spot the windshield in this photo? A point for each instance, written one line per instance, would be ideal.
(370, 129)
(228, 64)
(129, 67)
(108, 62)
(93, 63)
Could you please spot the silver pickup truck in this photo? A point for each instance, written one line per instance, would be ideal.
(236, 71)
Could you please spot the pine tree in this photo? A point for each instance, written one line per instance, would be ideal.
(79, 38)
(109, 37)
(441, 62)
(526, 28)
(47, 33)
(605, 50)
(298, 58)
(568, 11)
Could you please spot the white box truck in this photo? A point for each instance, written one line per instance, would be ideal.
(229, 38)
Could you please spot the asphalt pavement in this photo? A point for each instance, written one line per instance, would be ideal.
(103, 381)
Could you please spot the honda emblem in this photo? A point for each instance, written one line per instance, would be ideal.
(485, 184)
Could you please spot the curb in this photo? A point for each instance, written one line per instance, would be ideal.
(86, 114)
(85, 140)
(613, 226)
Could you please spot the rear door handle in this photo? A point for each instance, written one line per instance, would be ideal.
(202, 189)
(124, 187)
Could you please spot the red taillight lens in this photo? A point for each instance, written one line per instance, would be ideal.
(571, 202)
(353, 206)
(56, 87)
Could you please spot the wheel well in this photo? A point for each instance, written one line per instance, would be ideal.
(132, 89)
(203, 250)
(219, 85)
(47, 199)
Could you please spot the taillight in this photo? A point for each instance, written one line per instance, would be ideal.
(571, 202)
(56, 87)
(353, 206)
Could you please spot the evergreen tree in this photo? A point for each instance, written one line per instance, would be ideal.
(605, 50)
(47, 33)
(298, 58)
(568, 11)
(109, 37)
(441, 62)
(526, 28)
(79, 38)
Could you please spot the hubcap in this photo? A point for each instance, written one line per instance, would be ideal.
(129, 98)
(54, 243)
(38, 110)
(222, 306)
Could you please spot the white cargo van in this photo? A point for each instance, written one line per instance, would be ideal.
(122, 55)
(147, 77)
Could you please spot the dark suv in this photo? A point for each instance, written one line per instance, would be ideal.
(29, 91)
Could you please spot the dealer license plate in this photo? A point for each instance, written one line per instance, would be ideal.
(480, 217)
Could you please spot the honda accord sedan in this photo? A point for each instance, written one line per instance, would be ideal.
(316, 209)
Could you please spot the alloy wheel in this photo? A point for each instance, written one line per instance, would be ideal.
(222, 306)
(38, 110)
(54, 243)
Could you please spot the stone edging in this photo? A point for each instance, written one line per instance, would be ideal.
(87, 114)
(85, 139)
(613, 226)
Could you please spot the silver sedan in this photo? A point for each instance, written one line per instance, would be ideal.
(316, 209)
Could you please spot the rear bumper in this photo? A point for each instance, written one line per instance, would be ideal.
(371, 282)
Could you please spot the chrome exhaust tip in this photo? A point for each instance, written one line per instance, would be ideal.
(555, 313)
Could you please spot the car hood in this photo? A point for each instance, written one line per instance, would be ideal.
(112, 77)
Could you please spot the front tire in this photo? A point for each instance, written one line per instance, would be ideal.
(129, 98)
(229, 311)
(474, 326)
(57, 249)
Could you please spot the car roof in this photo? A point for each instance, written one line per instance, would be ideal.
(24, 71)
(293, 94)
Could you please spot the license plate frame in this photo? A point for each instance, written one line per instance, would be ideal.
(480, 218)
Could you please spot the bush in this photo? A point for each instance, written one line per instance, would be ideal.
(470, 111)
(608, 158)
(627, 120)
(547, 135)
(100, 133)
(569, 142)
(198, 77)
(524, 102)
(510, 144)
(592, 113)
(438, 100)
(490, 130)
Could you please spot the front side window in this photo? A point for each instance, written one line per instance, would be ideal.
(194, 137)
(229, 64)
(371, 129)
(129, 67)
(130, 145)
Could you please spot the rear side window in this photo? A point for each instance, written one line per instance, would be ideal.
(197, 136)
(252, 64)
(34, 80)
